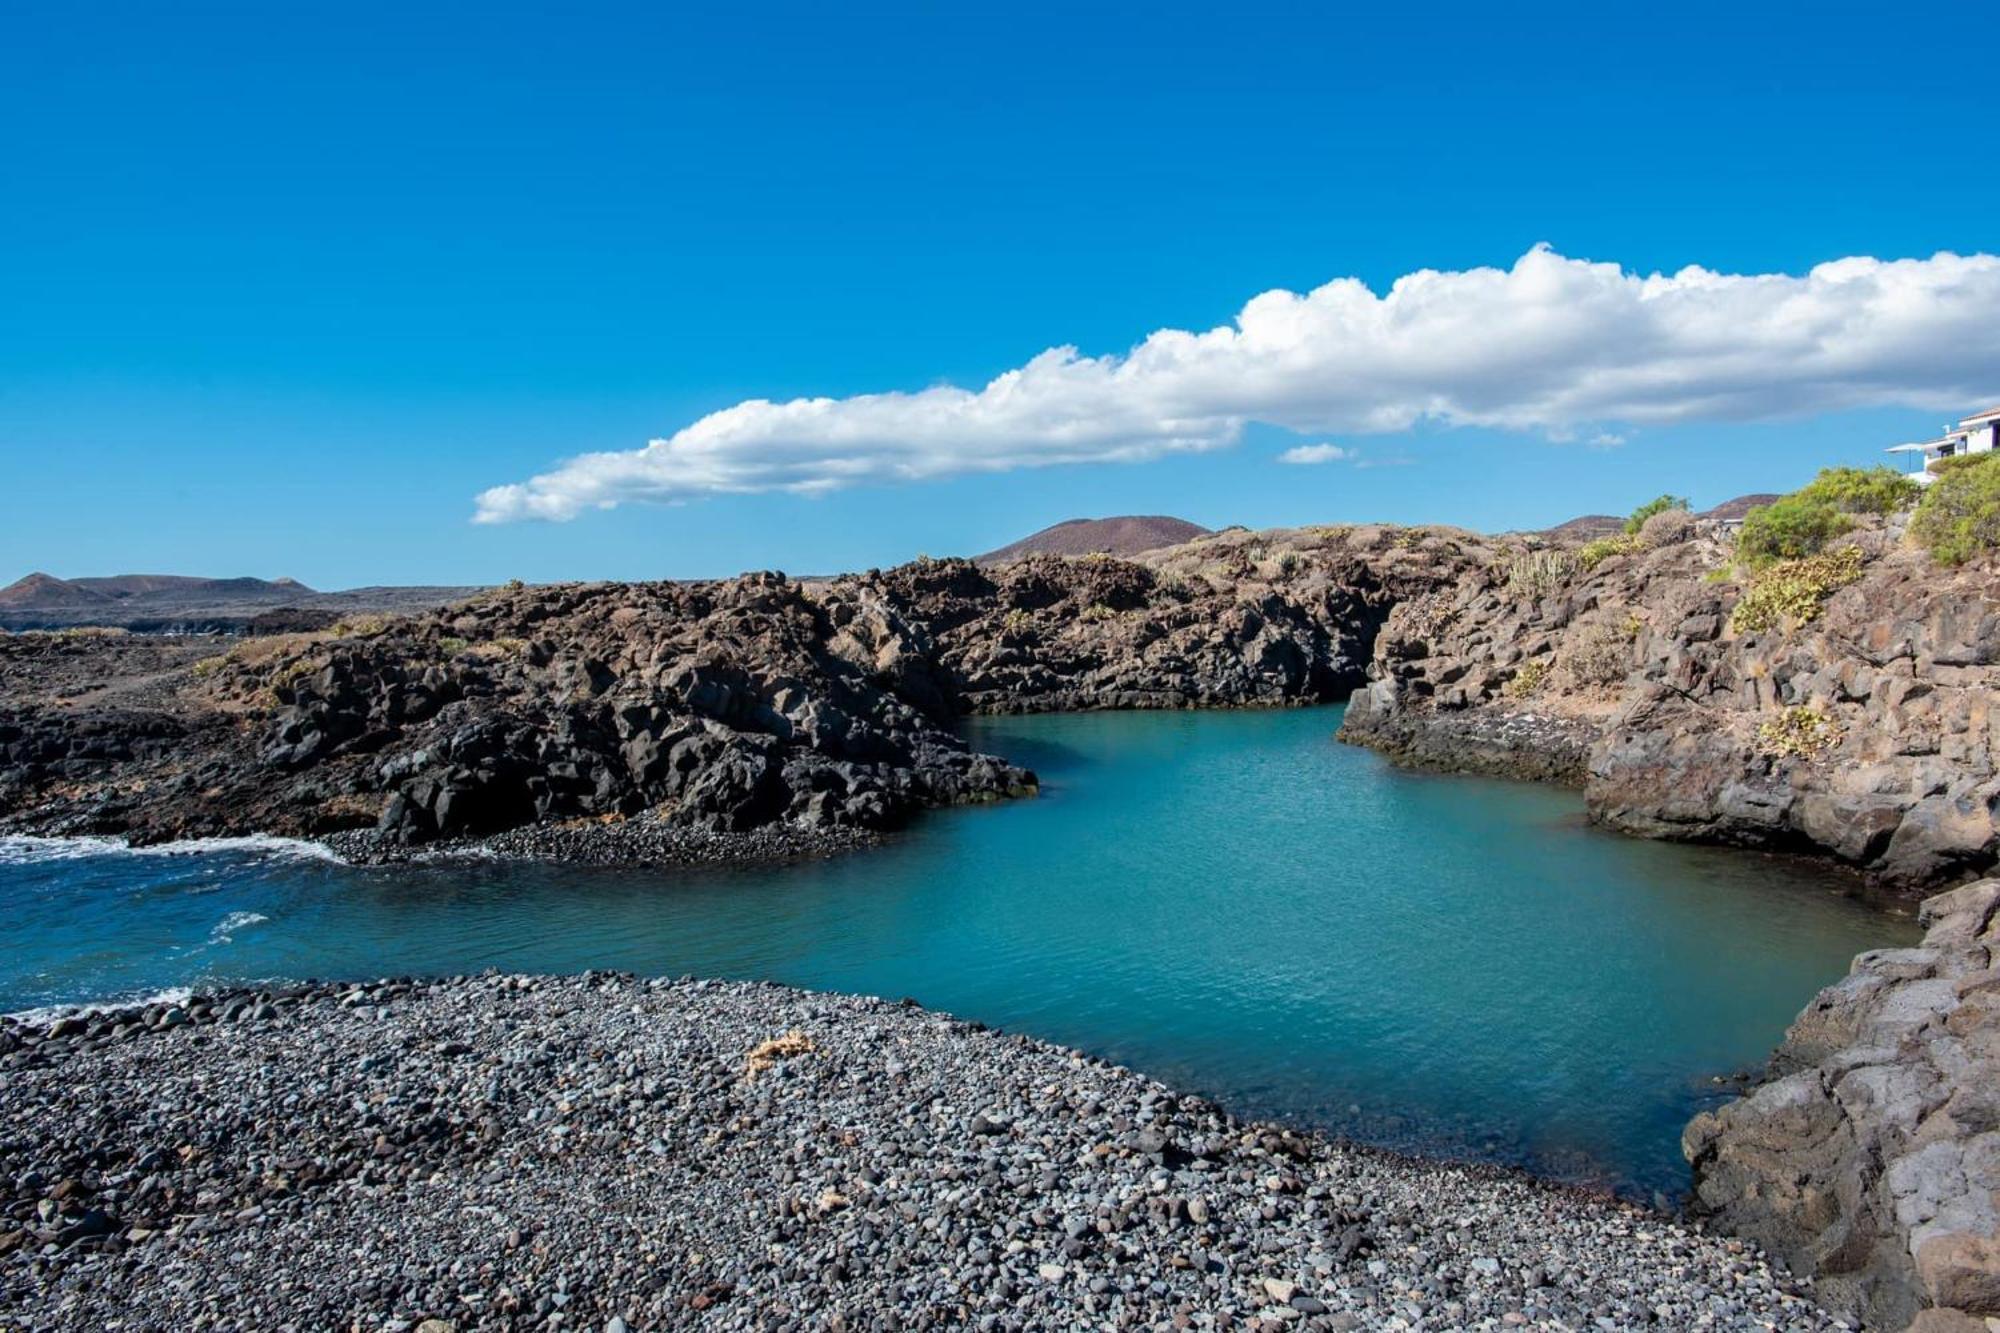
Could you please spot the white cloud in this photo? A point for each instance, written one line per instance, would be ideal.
(1556, 345)
(1315, 453)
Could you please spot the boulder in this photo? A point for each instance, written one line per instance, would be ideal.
(1871, 1158)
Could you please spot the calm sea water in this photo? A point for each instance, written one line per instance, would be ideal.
(1232, 902)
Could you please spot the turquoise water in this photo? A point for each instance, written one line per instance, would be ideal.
(1233, 902)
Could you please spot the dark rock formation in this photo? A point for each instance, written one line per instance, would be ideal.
(722, 707)
(1872, 1156)
(1688, 719)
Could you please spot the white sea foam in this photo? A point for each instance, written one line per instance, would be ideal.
(225, 929)
(50, 1012)
(22, 849)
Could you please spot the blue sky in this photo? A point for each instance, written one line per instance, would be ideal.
(282, 289)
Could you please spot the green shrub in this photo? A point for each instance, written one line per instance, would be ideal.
(1594, 553)
(1527, 679)
(1789, 528)
(1959, 515)
(1855, 490)
(1659, 504)
(1792, 592)
(1804, 733)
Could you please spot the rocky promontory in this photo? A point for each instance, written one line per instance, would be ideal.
(608, 1153)
(1872, 1155)
(1844, 706)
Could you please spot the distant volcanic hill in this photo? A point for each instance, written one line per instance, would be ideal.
(38, 591)
(1732, 511)
(1588, 526)
(189, 604)
(1125, 535)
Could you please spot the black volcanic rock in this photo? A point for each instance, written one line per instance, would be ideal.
(723, 708)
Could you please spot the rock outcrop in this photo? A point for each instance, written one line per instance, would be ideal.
(1872, 1156)
(722, 707)
(1864, 729)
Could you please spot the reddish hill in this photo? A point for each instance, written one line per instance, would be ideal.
(1587, 526)
(1730, 511)
(1124, 535)
(39, 590)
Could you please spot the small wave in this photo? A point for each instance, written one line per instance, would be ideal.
(29, 849)
(48, 1013)
(225, 929)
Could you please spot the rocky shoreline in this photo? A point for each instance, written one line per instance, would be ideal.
(633, 842)
(1863, 732)
(604, 1152)
(1490, 742)
(1856, 724)
(1871, 1156)
(764, 718)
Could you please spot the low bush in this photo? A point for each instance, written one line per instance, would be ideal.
(1856, 490)
(1597, 652)
(1659, 504)
(359, 627)
(1527, 679)
(1791, 592)
(1959, 515)
(1802, 733)
(1594, 553)
(1806, 521)
(1789, 528)
(1667, 528)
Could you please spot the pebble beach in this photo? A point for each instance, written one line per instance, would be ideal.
(615, 1154)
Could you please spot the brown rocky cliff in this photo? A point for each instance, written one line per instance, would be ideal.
(1867, 732)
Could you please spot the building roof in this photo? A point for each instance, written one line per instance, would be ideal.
(1976, 417)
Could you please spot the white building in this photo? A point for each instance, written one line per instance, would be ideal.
(1976, 434)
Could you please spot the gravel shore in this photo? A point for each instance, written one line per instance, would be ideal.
(632, 842)
(605, 1153)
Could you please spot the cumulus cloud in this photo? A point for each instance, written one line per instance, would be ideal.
(1315, 453)
(1565, 347)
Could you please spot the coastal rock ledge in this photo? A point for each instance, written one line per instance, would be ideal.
(604, 1153)
(1872, 1156)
